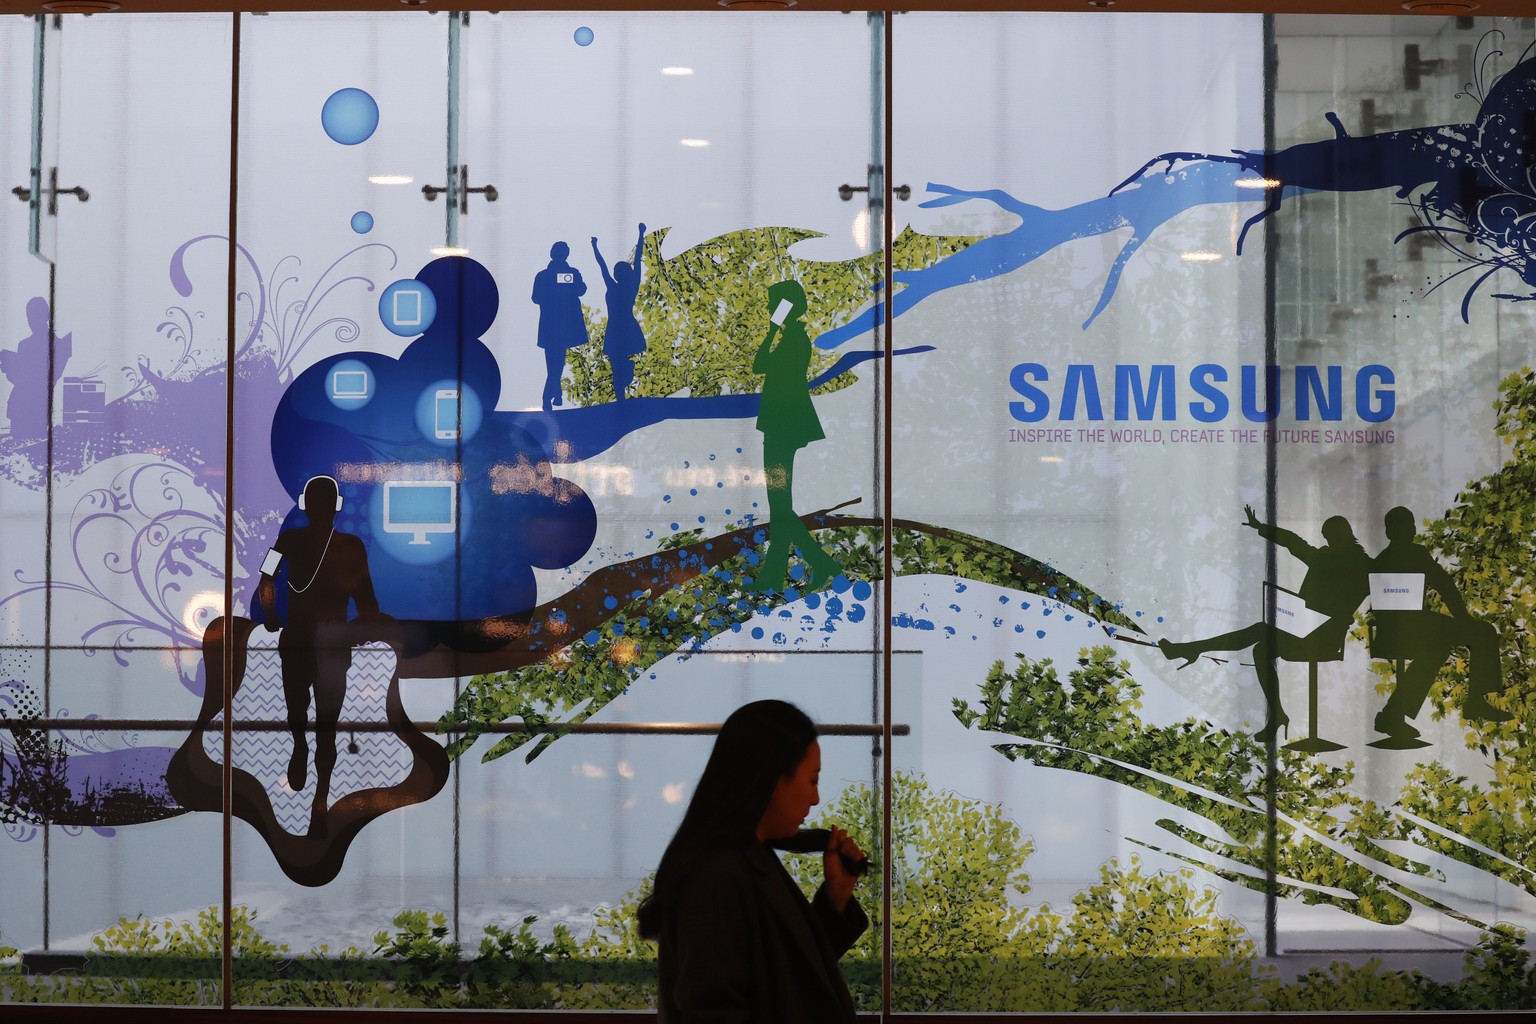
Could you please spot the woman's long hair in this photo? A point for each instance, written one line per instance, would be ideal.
(759, 744)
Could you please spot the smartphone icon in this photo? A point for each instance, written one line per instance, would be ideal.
(781, 311)
(447, 405)
(407, 308)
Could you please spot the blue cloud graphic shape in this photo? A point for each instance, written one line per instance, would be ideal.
(512, 513)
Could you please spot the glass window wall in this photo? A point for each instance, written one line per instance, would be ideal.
(423, 428)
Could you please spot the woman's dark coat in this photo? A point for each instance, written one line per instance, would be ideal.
(743, 945)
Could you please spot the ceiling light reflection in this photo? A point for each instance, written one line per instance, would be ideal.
(390, 179)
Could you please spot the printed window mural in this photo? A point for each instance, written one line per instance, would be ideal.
(554, 406)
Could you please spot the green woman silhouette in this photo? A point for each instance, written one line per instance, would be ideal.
(788, 422)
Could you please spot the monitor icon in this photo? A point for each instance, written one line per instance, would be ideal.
(407, 308)
(420, 507)
(349, 384)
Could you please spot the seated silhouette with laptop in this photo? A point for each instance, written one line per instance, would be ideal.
(1419, 640)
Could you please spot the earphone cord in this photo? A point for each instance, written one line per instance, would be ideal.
(316, 574)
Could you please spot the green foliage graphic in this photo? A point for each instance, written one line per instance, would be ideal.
(964, 939)
(577, 679)
(704, 311)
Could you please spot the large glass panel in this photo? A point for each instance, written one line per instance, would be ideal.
(1238, 700)
(677, 168)
(341, 124)
(115, 451)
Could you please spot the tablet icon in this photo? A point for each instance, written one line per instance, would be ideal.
(407, 308)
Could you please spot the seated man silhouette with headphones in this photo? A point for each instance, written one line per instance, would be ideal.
(326, 571)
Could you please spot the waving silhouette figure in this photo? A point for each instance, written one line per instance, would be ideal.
(623, 339)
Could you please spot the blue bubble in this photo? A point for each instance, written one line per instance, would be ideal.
(407, 308)
(350, 384)
(1040, 633)
(448, 413)
(583, 36)
(362, 222)
(349, 116)
(862, 590)
(813, 600)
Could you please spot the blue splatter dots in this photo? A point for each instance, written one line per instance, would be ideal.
(350, 116)
(362, 222)
(583, 36)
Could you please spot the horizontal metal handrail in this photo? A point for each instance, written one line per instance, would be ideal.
(276, 725)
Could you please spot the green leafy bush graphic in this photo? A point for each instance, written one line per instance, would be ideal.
(704, 311)
(964, 939)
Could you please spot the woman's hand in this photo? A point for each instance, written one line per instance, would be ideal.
(1253, 520)
(840, 881)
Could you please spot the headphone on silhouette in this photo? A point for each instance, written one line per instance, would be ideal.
(312, 480)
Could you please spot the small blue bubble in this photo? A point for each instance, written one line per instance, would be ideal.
(757, 632)
(693, 491)
(862, 590)
(813, 600)
(666, 497)
(738, 451)
(362, 222)
(1040, 633)
(610, 603)
(834, 606)
(701, 519)
(856, 613)
(840, 584)
(618, 629)
(797, 572)
(1018, 629)
(711, 456)
(674, 527)
(583, 36)
(592, 637)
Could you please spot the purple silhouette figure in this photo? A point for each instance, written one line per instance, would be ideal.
(28, 371)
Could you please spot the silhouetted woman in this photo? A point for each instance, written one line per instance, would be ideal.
(788, 422)
(737, 940)
(1337, 580)
(623, 339)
